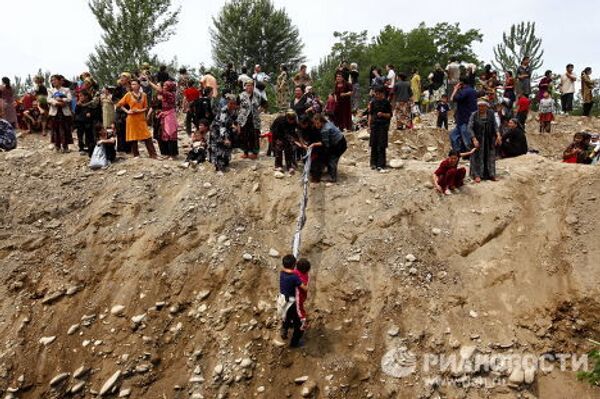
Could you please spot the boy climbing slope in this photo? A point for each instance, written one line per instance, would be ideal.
(286, 301)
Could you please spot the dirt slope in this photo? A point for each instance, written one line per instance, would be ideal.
(506, 267)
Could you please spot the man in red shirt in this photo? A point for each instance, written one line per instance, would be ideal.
(191, 95)
(523, 105)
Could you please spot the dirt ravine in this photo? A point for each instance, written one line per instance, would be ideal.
(149, 281)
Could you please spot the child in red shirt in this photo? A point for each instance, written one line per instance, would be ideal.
(301, 270)
(269, 136)
(523, 105)
(448, 175)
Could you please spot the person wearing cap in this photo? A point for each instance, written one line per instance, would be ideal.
(485, 136)
(285, 140)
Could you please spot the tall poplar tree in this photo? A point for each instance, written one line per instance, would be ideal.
(132, 28)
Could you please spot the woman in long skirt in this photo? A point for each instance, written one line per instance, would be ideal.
(168, 119)
(486, 136)
(343, 103)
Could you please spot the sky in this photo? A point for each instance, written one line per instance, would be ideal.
(568, 29)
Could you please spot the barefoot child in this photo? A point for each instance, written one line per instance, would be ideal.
(199, 147)
(302, 269)
(448, 175)
(286, 302)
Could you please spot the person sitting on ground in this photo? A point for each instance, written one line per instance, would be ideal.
(302, 269)
(380, 113)
(107, 139)
(285, 140)
(448, 177)
(34, 118)
(286, 302)
(579, 150)
(514, 141)
(8, 137)
(546, 112)
(198, 152)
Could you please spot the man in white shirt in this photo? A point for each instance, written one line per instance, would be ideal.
(453, 72)
(390, 79)
(259, 76)
(567, 89)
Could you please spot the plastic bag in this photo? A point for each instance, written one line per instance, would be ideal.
(99, 159)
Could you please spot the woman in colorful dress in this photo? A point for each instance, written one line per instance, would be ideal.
(283, 89)
(59, 101)
(8, 97)
(343, 103)
(167, 142)
(135, 105)
(509, 87)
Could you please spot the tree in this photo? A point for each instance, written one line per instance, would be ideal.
(520, 42)
(132, 28)
(248, 32)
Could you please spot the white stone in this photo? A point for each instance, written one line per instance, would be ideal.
(301, 380)
(279, 175)
(436, 231)
(393, 331)
(58, 379)
(110, 383)
(273, 253)
(247, 257)
(117, 310)
(124, 393)
(517, 376)
(411, 258)
(246, 363)
(218, 369)
(396, 164)
(139, 318)
(121, 172)
(47, 340)
(78, 387)
(73, 329)
(354, 258)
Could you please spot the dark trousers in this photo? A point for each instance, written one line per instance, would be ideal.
(334, 154)
(86, 138)
(566, 100)
(190, 117)
(378, 155)
(292, 320)
(442, 121)
(285, 148)
(587, 108)
(454, 178)
(149, 147)
(250, 138)
(121, 125)
(522, 118)
(168, 148)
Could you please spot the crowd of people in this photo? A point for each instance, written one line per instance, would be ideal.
(225, 113)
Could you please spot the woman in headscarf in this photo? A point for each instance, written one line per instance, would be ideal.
(167, 142)
(485, 137)
(59, 101)
(299, 103)
(354, 75)
(283, 88)
(8, 97)
(587, 87)
(514, 141)
(135, 105)
(343, 102)
(333, 142)
(249, 120)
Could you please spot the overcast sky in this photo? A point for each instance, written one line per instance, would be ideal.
(58, 35)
